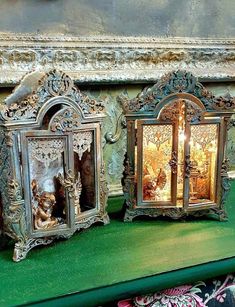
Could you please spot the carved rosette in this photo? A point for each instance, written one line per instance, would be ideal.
(193, 112)
(170, 112)
(56, 83)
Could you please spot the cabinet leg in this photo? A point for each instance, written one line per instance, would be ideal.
(24, 246)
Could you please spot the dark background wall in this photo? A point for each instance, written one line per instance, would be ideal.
(196, 18)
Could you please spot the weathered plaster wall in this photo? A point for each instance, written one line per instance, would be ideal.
(191, 18)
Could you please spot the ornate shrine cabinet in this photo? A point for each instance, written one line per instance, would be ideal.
(176, 136)
(52, 173)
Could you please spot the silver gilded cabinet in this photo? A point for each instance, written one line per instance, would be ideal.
(52, 177)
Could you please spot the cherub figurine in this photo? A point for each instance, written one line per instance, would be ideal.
(152, 185)
(43, 211)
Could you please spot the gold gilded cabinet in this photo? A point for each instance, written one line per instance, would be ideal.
(52, 172)
(175, 163)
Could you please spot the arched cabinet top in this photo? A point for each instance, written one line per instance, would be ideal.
(173, 86)
(28, 103)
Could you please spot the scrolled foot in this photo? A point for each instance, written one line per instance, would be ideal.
(128, 217)
(23, 247)
(106, 219)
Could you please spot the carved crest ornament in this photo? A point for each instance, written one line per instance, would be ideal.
(175, 163)
(52, 173)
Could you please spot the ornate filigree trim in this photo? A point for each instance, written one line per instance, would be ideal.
(52, 84)
(225, 168)
(82, 142)
(174, 213)
(173, 83)
(46, 150)
(224, 103)
(172, 111)
(23, 247)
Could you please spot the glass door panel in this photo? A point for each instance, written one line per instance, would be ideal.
(203, 156)
(84, 170)
(156, 171)
(46, 164)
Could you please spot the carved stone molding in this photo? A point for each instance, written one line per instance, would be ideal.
(115, 59)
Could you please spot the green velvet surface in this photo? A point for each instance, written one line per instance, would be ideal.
(114, 254)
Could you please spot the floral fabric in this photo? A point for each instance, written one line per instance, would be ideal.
(214, 293)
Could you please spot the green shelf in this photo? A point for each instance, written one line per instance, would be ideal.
(106, 263)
